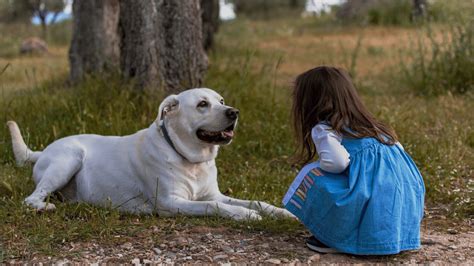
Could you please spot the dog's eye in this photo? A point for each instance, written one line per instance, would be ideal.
(202, 104)
(222, 101)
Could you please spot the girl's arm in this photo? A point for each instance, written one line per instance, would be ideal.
(333, 157)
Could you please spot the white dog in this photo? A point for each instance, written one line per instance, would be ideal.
(167, 168)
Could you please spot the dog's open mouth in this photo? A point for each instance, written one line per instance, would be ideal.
(216, 137)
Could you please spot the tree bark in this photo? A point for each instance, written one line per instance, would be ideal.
(419, 8)
(95, 43)
(210, 21)
(161, 43)
(293, 4)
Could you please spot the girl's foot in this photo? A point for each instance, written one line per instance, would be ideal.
(316, 245)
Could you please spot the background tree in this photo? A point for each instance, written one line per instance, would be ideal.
(210, 21)
(95, 43)
(268, 8)
(419, 8)
(43, 8)
(162, 43)
(382, 12)
(14, 11)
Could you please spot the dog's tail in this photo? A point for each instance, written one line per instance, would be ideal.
(21, 151)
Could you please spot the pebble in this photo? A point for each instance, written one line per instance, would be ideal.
(157, 251)
(273, 261)
(227, 249)
(452, 231)
(136, 261)
(181, 241)
(426, 241)
(171, 255)
(220, 257)
(315, 257)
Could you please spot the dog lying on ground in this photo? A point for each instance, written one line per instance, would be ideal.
(167, 168)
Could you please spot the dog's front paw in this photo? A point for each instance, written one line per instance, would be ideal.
(40, 205)
(283, 213)
(254, 215)
(286, 214)
(248, 215)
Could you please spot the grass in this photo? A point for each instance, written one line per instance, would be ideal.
(400, 12)
(448, 66)
(253, 72)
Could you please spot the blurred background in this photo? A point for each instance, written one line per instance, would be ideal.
(103, 67)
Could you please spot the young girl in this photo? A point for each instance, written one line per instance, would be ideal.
(364, 195)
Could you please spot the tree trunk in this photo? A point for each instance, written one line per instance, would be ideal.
(419, 9)
(95, 43)
(293, 4)
(210, 21)
(161, 43)
(44, 30)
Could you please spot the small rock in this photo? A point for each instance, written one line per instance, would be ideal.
(33, 45)
(170, 254)
(136, 261)
(453, 247)
(227, 249)
(157, 251)
(315, 257)
(273, 261)
(426, 241)
(220, 257)
(181, 241)
(452, 231)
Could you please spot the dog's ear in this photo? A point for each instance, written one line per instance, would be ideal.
(168, 105)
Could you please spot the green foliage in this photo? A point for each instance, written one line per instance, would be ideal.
(268, 9)
(449, 65)
(396, 12)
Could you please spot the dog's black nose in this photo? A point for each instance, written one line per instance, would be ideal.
(232, 113)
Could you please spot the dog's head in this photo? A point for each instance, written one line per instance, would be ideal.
(198, 121)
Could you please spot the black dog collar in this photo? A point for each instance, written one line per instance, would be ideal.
(168, 139)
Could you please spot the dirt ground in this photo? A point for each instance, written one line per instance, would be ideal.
(221, 245)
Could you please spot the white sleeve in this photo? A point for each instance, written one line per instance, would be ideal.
(400, 146)
(333, 157)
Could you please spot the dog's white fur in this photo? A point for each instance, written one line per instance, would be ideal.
(142, 173)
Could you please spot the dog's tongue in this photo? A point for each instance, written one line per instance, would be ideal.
(229, 133)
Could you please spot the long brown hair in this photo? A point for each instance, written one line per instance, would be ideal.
(327, 94)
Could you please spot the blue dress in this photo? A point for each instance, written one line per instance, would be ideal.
(374, 207)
